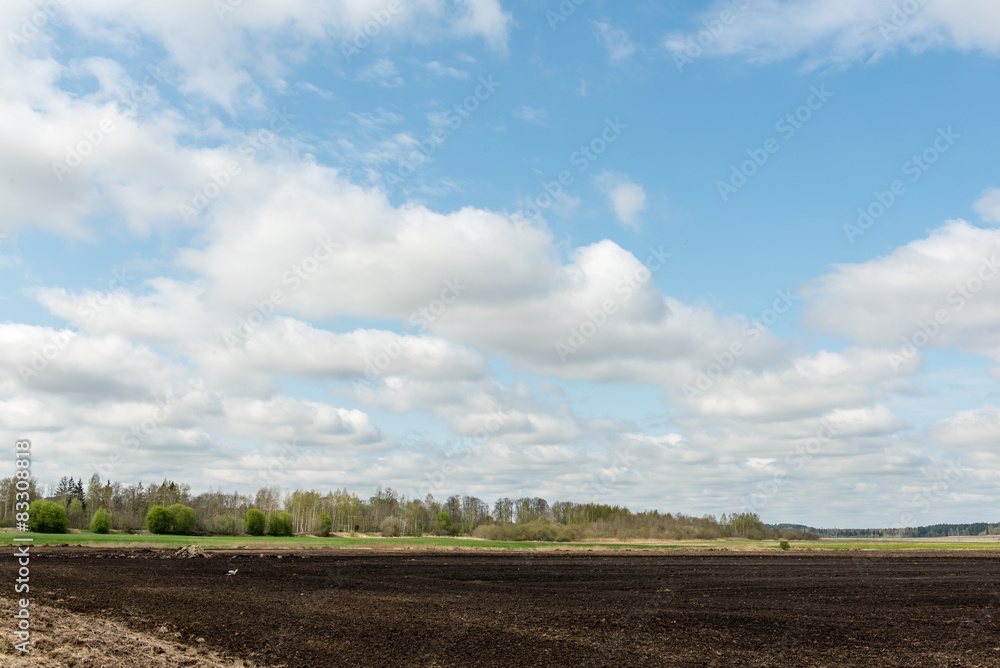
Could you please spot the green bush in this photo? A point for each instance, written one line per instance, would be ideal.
(442, 524)
(390, 527)
(183, 521)
(101, 522)
(254, 522)
(537, 530)
(158, 520)
(227, 525)
(46, 517)
(280, 524)
(325, 524)
(784, 545)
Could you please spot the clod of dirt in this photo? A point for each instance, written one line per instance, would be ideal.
(190, 552)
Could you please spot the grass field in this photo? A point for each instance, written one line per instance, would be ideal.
(355, 542)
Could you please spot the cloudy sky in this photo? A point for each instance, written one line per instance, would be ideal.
(700, 257)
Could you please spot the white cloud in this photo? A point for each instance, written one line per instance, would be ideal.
(530, 114)
(938, 291)
(312, 88)
(841, 30)
(220, 56)
(487, 19)
(627, 198)
(382, 72)
(615, 40)
(988, 205)
(439, 70)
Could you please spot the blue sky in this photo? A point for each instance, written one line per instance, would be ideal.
(248, 244)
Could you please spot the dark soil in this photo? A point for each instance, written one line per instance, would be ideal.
(546, 609)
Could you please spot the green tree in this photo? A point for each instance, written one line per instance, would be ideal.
(158, 520)
(183, 521)
(74, 514)
(94, 489)
(254, 521)
(101, 523)
(442, 523)
(280, 524)
(325, 523)
(227, 525)
(46, 517)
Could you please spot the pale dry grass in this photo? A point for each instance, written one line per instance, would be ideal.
(63, 639)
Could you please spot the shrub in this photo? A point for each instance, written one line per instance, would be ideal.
(158, 520)
(390, 527)
(227, 525)
(784, 545)
(101, 521)
(537, 530)
(46, 517)
(325, 524)
(442, 524)
(183, 521)
(254, 521)
(279, 524)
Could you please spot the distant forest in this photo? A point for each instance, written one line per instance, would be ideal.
(932, 531)
(388, 513)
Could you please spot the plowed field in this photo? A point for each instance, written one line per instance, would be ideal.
(363, 608)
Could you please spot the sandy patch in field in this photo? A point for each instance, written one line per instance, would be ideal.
(63, 639)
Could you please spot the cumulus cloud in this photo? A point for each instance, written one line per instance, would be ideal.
(628, 199)
(937, 291)
(988, 205)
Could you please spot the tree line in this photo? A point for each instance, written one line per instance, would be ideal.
(170, 507)
(931, 531)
